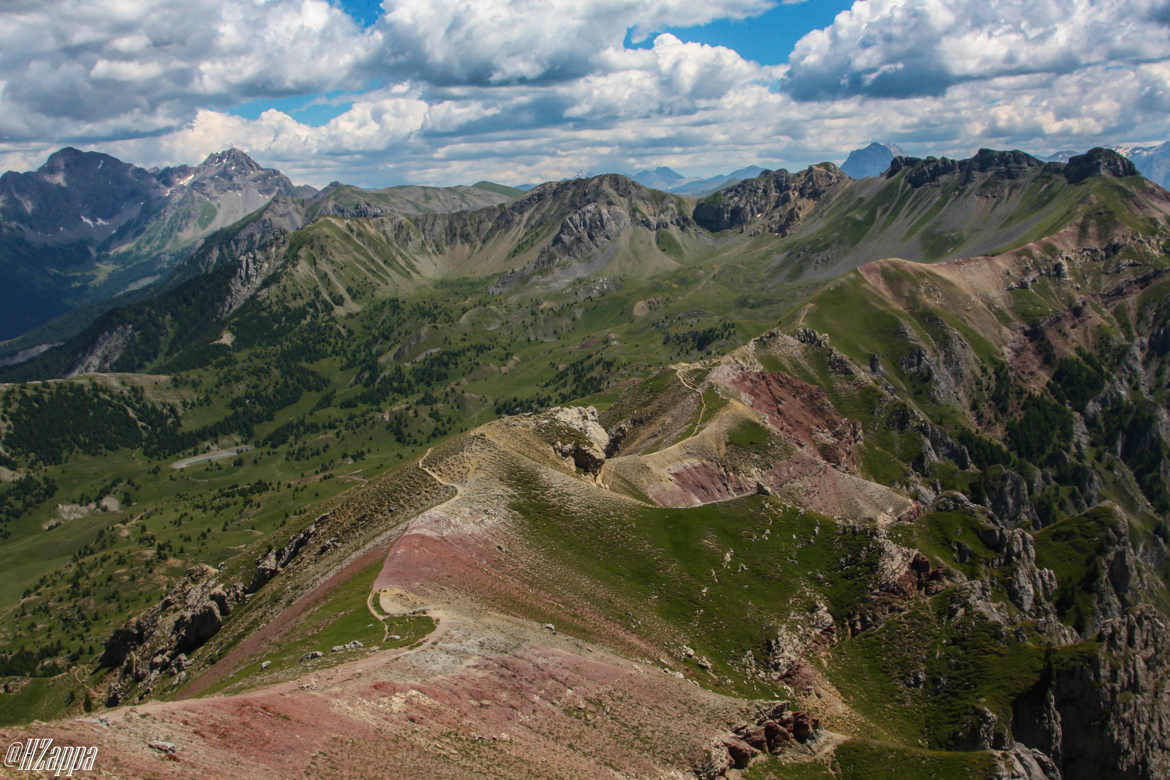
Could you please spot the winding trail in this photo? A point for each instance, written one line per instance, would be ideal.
(434, 475)
(679, 368)
(678, 371)
(380, 613)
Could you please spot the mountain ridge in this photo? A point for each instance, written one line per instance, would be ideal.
(562, 232)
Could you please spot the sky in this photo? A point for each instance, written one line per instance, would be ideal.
(521, 91)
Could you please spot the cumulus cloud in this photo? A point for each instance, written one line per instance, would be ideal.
(890, 48)
(509, 41)
(519, 90)
(103, 68)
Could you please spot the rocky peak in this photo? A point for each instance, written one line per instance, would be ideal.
(74, 196)
(775, 201)
(1000, 164)
(1098, 162)
(233, 171)
(70, 159)
(577, 193)
(1010, 165)
(230, 159)
(870, 161)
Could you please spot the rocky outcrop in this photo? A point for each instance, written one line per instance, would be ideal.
(775, 728)
(937, 444)
(799, 635)
(1025, 763)
(900, 574)
(1106, 713)
(158, 641)
(593, 214)
(104, 352)
(774, 201)
(1008, 165)
(920, 365)
(271, 563)
(576, 433)
(1098, 162)
(1031, 588)
(1009, 498)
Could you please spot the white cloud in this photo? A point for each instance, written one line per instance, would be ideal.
(525, 91)
(890, 48)
(509, 41)
(78, 68)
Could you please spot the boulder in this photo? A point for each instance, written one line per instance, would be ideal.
(776, 736)
(804, 726)
(741, 752)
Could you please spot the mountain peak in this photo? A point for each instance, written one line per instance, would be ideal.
(871, 160)
(69, 158)
(660, 178)
(1011, 165)
(63, 156)
(1098, 162)
(230, 158)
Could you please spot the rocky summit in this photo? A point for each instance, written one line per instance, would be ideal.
(817, 475)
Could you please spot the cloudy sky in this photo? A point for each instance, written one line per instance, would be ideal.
(452, 91)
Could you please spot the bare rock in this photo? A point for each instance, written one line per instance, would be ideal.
(716, 764)
(1025, 763)
(804, 726)
(776, 736)
(269, 564)
(740, 751)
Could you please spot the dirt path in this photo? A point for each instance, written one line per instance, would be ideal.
(217, 455)
(678, 370)
(433, 475)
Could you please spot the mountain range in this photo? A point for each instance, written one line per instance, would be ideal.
(86, 227)
(86, 230)
(670, 180)
(1152, 161)
(812, 476)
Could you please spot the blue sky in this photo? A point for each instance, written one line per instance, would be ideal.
(450, 91)
(768, 38)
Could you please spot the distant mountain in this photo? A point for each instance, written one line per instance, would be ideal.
(86, 227)
(873, 160)
(661, 178)
(670, 180)
(343, 200)
(697, 188)
(87, 231)
(1153, 162)
(353, 246)
(346, 247)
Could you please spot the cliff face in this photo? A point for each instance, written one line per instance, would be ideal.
(1105, 713)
